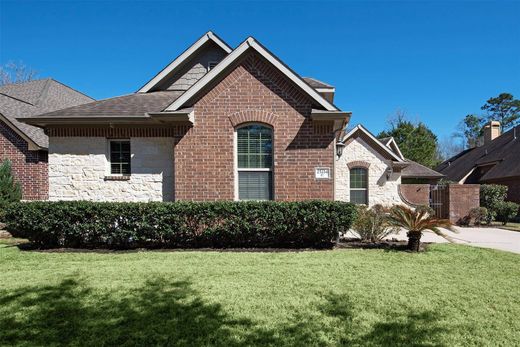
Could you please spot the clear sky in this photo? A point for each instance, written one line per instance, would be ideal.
(438, 61)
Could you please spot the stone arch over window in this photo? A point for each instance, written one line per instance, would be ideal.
(358, 163)
(253, 116)
(254, 161)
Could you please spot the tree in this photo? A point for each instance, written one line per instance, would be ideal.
(416, 222)
(16, 73)
(416, 141)
(471, 129)
(10, 190)
(447, 147)
(504, 108)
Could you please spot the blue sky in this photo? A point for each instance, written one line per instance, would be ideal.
(438, 61)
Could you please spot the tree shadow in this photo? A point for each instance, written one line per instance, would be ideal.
(159, 313)
(172, 313)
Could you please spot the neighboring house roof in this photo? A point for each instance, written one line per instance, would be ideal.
(502, 154)
(32, 98)
(187, 54)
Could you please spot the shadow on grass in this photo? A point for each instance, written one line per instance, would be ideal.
(173, 314)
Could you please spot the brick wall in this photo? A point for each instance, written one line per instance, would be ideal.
(254, 90)
(462, 198)
(415, 194)
(29, 167)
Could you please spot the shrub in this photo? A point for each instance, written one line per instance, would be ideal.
(490, 196)
(83, 224)
(372, 224)
(506, 211)
(10, 190)
(425, 208)
(478, 215)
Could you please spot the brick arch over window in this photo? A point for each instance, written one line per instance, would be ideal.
(358, 163)
(253, 116)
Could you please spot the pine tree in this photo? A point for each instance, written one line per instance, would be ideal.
(10, 190)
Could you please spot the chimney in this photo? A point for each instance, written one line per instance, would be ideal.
(491, 131)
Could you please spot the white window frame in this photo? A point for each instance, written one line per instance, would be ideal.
(235, 159)
(358, 189)
(109, 158)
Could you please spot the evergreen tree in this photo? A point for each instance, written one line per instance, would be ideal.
(10, 190)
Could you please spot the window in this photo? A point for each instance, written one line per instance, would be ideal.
(212, 64)
(359, 186)
(255, 162)
(120, 157)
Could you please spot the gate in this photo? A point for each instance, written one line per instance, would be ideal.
(439, 200)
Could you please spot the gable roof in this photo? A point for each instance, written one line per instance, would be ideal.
(375, 140)
(249, 43)
(32, 98)
(502, 153)
(184, 56)
(416, 170)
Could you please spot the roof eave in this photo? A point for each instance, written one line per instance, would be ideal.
(31, 144)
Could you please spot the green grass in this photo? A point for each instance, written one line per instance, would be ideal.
(451, 295)
(509, 226)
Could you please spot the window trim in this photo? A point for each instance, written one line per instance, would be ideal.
(210, 63)
(109, 173)
(236, 169)
(358, 189)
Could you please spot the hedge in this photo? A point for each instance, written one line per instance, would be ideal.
(83, 224)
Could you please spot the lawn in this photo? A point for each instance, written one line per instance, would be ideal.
(451, 295)
(509, 226)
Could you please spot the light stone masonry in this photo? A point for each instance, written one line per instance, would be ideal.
(78, 167)
(380, 189)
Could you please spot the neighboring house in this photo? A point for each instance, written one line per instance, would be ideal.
(496, 161)
(371, 170)
(215, 124)
(25, 145)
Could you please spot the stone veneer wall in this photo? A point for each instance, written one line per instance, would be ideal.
(78, 167)
(380, 189)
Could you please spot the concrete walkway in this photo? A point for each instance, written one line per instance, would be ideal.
(501, 239)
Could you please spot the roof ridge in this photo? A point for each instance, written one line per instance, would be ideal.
(69, 87)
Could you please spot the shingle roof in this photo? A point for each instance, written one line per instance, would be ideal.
(132, 105)
(314, 83)
(35, 97)
(503, 152)
(416, 170)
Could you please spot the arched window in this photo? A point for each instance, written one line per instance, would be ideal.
(359, 185)
(255, 162)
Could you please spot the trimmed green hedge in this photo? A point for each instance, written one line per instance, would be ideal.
(82, 224)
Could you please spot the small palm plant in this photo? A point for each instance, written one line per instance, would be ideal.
(417, 221)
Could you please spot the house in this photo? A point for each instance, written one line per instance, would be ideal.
(371, 170)
(25, 145)
(217, 123)
(496, 161)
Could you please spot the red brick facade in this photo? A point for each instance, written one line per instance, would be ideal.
(253, 92)
(29, 167)
(415, 194)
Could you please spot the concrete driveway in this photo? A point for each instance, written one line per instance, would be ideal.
(501, 239)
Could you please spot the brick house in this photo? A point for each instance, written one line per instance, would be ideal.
(25, 145)
(215, 124)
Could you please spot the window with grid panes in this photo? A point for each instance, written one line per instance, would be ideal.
(359, 185)
(255, 162)
(120, 157)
